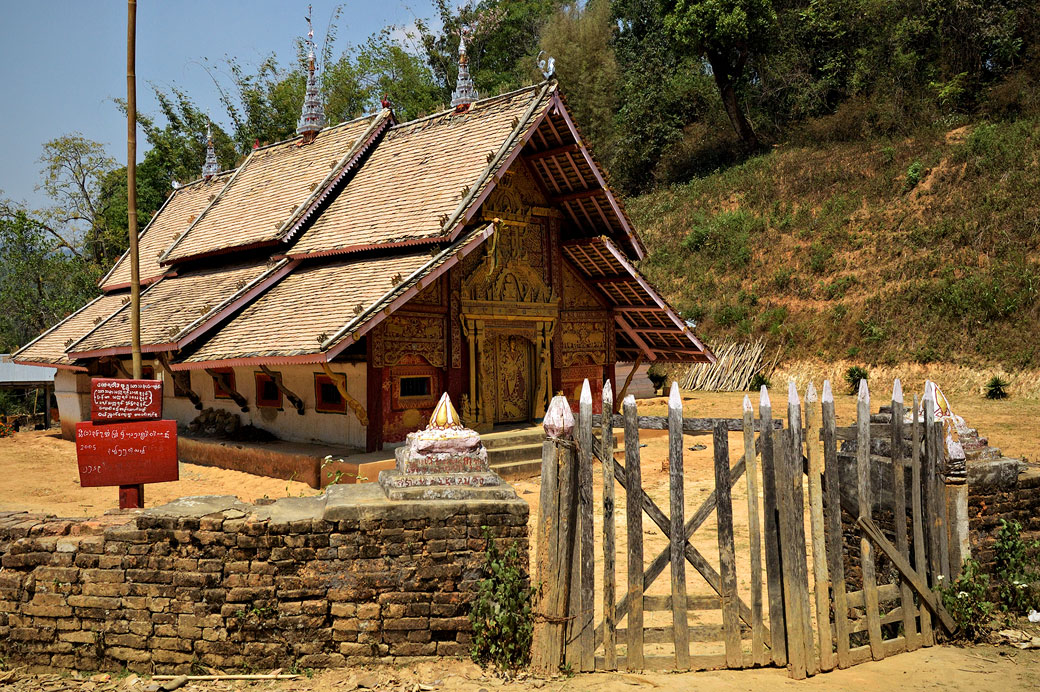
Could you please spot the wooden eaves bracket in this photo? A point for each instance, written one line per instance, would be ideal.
(195, 399)
(235, 396)
(340, 381)
(296, 401)
(119, 366)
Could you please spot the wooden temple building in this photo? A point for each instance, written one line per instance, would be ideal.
(332, 286)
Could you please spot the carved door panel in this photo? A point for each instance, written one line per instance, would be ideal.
(512, 378)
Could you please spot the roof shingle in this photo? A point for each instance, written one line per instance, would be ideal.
(419, 175)
(50, 346)
(269, 189)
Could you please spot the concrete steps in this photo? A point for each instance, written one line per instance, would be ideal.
(515, 454)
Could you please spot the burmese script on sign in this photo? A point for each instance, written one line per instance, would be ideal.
(126, 453)
(118, 400)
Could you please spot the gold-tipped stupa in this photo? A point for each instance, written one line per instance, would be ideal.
(445, 417)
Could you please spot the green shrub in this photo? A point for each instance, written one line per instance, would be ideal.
(966, 601)
(996, 388)
(501, 615)
(819, 257)
(1015, 569)
(757, 382)
(913, 175)
(853, 375)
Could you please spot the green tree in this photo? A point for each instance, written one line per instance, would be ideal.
(580, 38)
(726, 33)
(41, 280)
(387, 66)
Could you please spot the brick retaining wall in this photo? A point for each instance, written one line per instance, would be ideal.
(1014, 498)
(314, 582)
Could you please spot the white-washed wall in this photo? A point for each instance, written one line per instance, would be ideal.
(286, 424)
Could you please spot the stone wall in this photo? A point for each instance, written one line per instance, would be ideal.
(211, 581)
(1001, 489)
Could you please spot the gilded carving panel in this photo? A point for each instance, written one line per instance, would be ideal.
(403, 334)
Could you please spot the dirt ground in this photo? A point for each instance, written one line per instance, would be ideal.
(40, 475)
(974, 669)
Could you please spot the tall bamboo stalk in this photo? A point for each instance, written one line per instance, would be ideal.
(131, 185)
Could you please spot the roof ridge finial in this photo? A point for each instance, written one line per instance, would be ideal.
(312, 119)
(210, 168)
(465, 92)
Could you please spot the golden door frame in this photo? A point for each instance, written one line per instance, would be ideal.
(481, 328)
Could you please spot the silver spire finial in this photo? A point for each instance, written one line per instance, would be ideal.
(312, 119)
(465, 92)
(547, 65)
(210, 168)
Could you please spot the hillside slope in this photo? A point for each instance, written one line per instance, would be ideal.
(921, 249)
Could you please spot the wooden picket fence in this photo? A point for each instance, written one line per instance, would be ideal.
(832, 620)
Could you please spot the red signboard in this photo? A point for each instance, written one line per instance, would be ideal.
(125, 400)
(126, 453)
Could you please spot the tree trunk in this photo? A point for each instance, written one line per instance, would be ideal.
(724, 80)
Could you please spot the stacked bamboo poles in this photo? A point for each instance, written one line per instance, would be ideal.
(735, 365)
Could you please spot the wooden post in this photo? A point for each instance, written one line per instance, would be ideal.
(609, 548)
(928, 485)
(628, 380)
(835, 545)
(820, 572)
(585, 624)
(794, 420)
(131, 193)
(920, 549)
(864, 495)
(906, 597)
(774, 573)
(634, 516)
(727, 559)
(677, 541)
(570, 555)
(940, 511)
(547, 638)
(754, 535)
(789, 546)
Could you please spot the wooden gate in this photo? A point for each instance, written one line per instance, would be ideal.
(826, 584)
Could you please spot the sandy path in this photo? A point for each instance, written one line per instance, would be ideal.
(38, 473)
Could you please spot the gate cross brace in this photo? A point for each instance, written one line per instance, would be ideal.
(296, 401)
(693, 556)
(909, 575)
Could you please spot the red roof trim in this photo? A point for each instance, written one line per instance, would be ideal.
(304, 359)
(433, 240)
(59, 366)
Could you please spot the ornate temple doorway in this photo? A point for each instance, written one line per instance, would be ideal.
(509, 314)
(512, 378)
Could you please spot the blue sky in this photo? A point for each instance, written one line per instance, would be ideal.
(63, 61)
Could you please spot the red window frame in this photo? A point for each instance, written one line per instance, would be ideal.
(321, 405)
(221, 375)
(261, 379)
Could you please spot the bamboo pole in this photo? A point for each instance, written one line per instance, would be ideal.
(131, 185)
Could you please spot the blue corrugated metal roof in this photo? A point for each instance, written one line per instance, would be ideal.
(12, 373)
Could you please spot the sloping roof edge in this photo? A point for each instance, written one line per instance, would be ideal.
(79, 368)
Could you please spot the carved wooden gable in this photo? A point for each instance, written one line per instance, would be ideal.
(506, 273)
(576, 294)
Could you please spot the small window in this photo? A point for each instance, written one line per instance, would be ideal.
(147, 372)
(223, 383)
(327, 398)
(181, 383)
(415, 386)
(267, 393)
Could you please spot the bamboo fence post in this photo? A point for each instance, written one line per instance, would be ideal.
(863, 493)
(727, 558)
(820, 576)
(585, 624)
(906, 596)
(677, 541)
(796, 654)
(754, 535)
(547, 638)
(774, 574)
(835, 544)
(609, 548)
(634, 516)
(920, 548)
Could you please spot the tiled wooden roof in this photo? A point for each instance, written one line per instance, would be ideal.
(174, 307)
(271, 189)
(647, 325)
(176, 214)
(423, 174)
(49, 347)
(298, 314)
